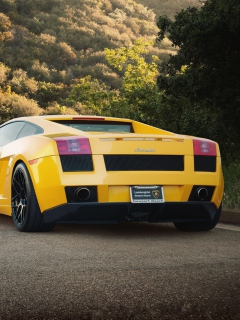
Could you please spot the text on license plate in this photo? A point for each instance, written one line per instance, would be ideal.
(146, 194)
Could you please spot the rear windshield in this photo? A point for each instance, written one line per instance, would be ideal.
(97, 126)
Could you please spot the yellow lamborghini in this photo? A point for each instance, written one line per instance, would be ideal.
(89, 169)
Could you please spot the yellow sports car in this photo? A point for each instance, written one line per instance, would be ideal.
(89, 169)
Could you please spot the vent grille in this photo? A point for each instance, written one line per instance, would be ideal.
(205, 163)
(144, 163)
(71, 163)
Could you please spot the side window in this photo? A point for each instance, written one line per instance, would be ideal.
(9, 132)
(29, 130)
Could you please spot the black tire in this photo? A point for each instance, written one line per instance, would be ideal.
(199, 226)
(26, 213)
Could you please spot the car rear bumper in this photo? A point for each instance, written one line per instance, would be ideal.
(105, 212)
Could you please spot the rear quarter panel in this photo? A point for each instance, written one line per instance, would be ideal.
(44, 173)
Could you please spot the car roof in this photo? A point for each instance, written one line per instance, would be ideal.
(47, 122)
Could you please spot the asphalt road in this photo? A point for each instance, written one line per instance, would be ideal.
(126, 271)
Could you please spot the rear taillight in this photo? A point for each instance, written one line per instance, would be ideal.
(73, 145)
(204, 148)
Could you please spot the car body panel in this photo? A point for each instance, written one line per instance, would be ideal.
(40, 155)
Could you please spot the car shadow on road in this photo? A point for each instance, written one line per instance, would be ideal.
(125, 230)
(121, 230)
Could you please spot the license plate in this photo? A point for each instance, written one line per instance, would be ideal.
(146, 194)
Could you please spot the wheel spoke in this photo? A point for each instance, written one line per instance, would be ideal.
(14, 198)
(19, 197)
(16, 185)
(20, 213)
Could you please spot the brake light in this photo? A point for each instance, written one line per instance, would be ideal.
(204, 148)
(73, 145)
(89, 118)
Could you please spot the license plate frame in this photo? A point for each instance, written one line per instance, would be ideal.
(147, 194)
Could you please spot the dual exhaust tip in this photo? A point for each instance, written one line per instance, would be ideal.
(82, 194)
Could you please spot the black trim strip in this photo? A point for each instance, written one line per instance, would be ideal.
(144, 162)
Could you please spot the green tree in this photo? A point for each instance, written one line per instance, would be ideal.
(49, 93)
(132, 61)
(13, 105)
(3, 74)
(139, 97)
(57, 109)
(93, 95)
(140, 92)
(22, 84)
(5, 25)
(206, 69)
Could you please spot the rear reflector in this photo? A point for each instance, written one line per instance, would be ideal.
(73, 145)
(204, 148)
(33, 161)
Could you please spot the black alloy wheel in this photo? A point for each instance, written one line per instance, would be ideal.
(26, 214)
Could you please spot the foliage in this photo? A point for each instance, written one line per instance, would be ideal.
(231, 174)
(62, 35)
(57, 109)
(138, 98)
(3, 73)
(45, 45)
(169, 7)
(50, 93)
(131, 60)
(139, 90)
(205, 70)
(13, 105)
(95, 96)
(21, 83)
(5, 24)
